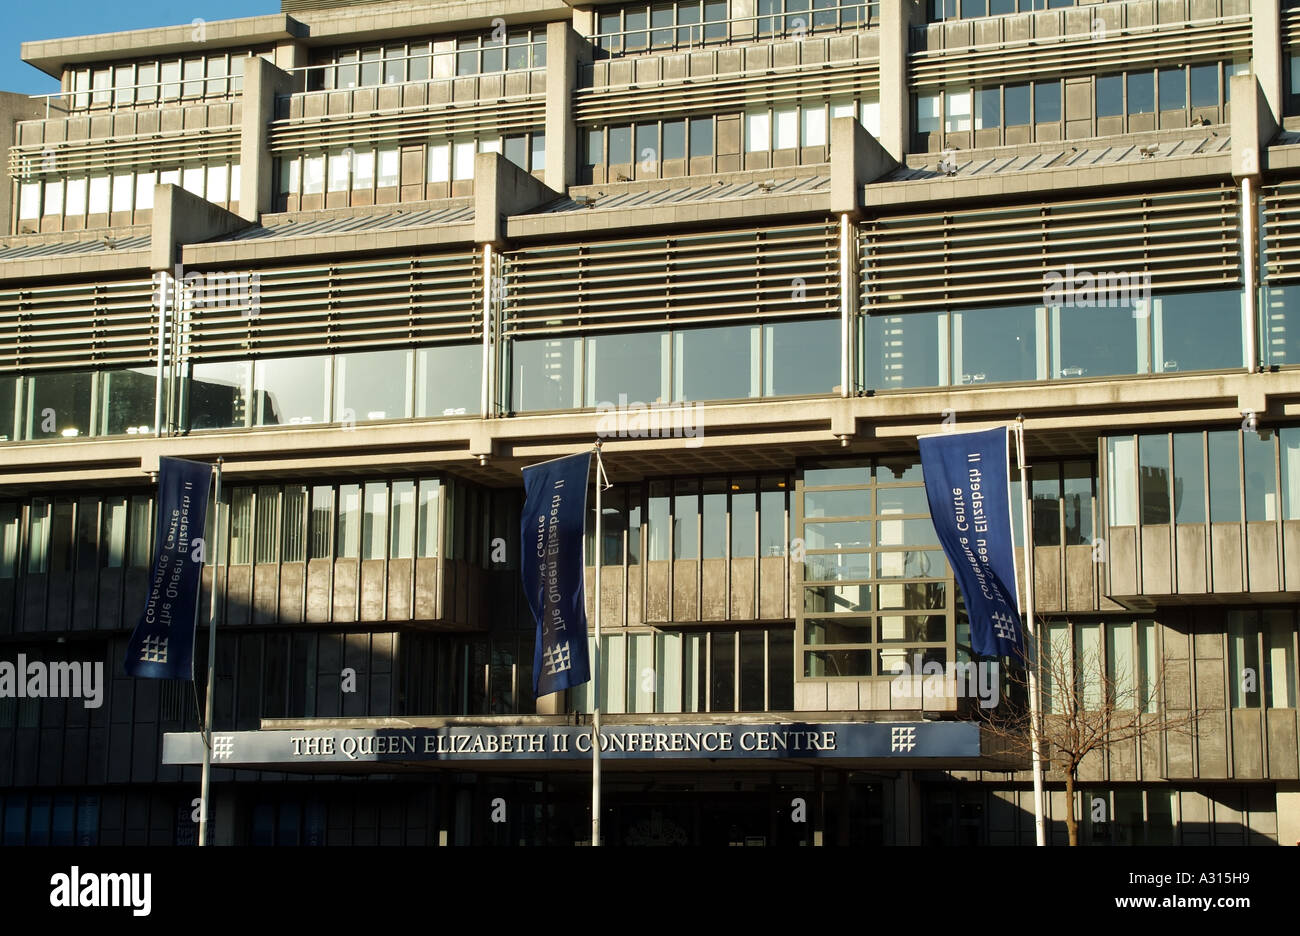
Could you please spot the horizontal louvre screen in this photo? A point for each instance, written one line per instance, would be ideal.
(1290, 26)
(1185, 240)
(1282, 232)
(308, 309)
(112, 155)
(78, 326)
(509, 115)
(644, 283)
(725, 92)
(1083, 54)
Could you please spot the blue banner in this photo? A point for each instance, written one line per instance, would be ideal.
(969, 492)
(555, 509)
(162, 644)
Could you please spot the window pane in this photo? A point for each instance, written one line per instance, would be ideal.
(620, 145)
(428, 539)
(714, 528)
(370, 385)
(1279, 659)
(758, 131)
(780, 670)
(448, 380)
(291, 391)
(956, 110)
(647, 142)
(1289, 441)
(268, 525)
(1153, 477)
(1097, 342)
(997, 344)
(293, 544)
(322, 522)
(927, 113)
(1110, 95)
(463, 160)
(1189, 478)
(1173, 89)
(1199, 331)
(1121, 493)
(906, 350)
(625, 369)
(813, 129)
(59, 405)
(126, 400)
(1205, 85)
(1261, 477)
(753, 665)
(801, 357)
(1078, 503)
(241, 526)
(716, 363)
(545, 374)
(686, 520)
(1047, 101)
(1225, 489)
(218, 394)
(1141, 93)
(657, 520)
(771, 531)
(722, 680)
(1046, 479)
(701, 137)
(388, 165)
(1243, 656)
(140, 534)
(348, 536)
(988, 108)
(744, 510)
(374, 522)
(1016, 103)
(674, 132)
(112, 535)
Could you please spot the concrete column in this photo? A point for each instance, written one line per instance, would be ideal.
(1288, 813)
(180, 217)
(291, 55)
(1266, 52)
(584, 21)
(1253, 126)
(262, 82)
(857, 158)
(565, 51)
(896, 19)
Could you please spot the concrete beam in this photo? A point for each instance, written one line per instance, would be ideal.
(1253, 127)
(857, 158)
(182, 218)
(566, 52)
(262, 82)
(502, 189)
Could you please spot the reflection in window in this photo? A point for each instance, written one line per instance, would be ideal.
(291, 391)
(1199, 331)
(1189, 478)
(448, 380)
(371, 385)
(1261, 478)
(716, 363)
(1097, 342)
(545, 374)
(1225, 485)
(1153, 478)
(997, 344)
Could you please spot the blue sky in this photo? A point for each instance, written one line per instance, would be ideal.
(53, 19)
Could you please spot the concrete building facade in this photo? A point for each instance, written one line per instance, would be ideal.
(379, 256)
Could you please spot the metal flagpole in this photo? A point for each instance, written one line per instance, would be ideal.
(212, 664)
(1035, 715)
(601, 483)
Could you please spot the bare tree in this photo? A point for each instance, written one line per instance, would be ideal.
(1085, 709)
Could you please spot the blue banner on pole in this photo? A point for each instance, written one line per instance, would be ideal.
(967, 485)
(162, 644)
(555, 510)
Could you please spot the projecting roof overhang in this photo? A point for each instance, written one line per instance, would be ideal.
(550, 743)
(53, 55)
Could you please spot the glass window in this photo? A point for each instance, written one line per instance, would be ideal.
(1110, 95)
(139, 541)
(1289, 442)
(752, 669)
(647, 142)
(1141, 92)
(363, 170)
(1261, 477)
(1046, 484)
(192, 180)
(321, 522)
(996, 344)
(1016, 104)
(620, 145)
(1153, 477)
(218, 394)
(374, 521)
(126, 401)
(758, 131)
(192, 69)
(291, 391)
(1173, 89)
(1078, 503)
(313, 175)
(1243, 659)
(744, 517)
(1047, 101)
(801, 357)
(427, 532)
(956, 110)
(686, 520)
(76, 201)
(53, 197)
(339, 170)
(515, 149)
(871, 116)
(674, 133)
(112, 535)
(545, 374)
(595, 147)
(99, 188)
(1205, 84)
(295, 514)
(927, 113)
(348, 537)
(1121, 490)
(38, 535)
(371, 385)
(1189, 478)
(785, 125)
(1225, 487)
(714, 527)
(59, 405)
(657, 521)
(144, 186)
(716, 363)
(8, 408)
(241, 526)
(268, 525)
(813, 125)
(723, 671)
(906, 350)
(439, 162)
(1199, 331)
(988, 108)
(701, 137)
(1097, 341)
(448, 380)
(388, 167)
(772, 517)
(29, 201)
(538, 152)
(627, 368)
(1279, 659)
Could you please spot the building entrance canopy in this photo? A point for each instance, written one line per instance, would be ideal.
(898, 744)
